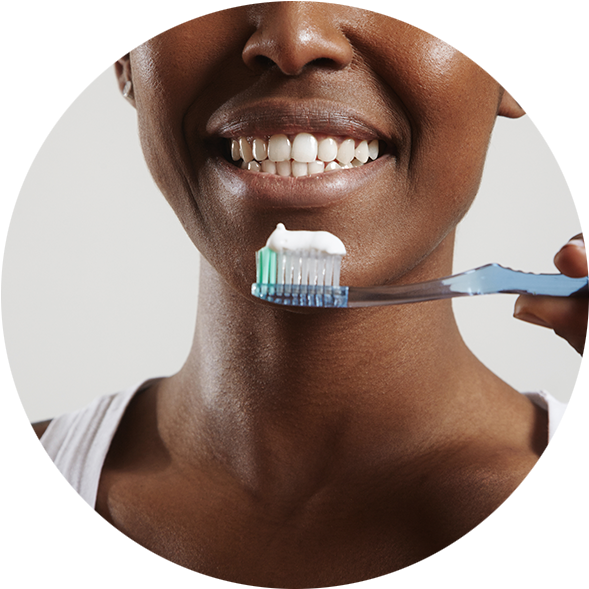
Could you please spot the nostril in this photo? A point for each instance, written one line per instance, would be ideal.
(263, 62)
(324, 62)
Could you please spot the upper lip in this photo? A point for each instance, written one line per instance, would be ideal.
(272, 116)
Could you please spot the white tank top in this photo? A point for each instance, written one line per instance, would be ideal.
(78, 442)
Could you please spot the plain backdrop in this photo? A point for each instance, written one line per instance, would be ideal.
(100, 281)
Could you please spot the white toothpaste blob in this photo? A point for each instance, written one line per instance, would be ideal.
(283, 240)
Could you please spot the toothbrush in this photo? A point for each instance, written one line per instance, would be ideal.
(302, 269)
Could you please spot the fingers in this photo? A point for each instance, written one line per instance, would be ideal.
(566, 316)
(572, 258)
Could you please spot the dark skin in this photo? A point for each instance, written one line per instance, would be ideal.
(322, 448)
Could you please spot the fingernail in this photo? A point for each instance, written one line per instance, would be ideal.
(530, 318)
(575, 242)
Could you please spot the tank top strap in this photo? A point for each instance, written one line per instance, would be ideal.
(78, 442)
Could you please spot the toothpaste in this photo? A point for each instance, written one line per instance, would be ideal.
(324, 242)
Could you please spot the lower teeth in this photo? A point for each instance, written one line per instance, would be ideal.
(296, 169)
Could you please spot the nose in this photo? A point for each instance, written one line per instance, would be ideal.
(293, 35)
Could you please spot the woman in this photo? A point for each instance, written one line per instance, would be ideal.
(319, 448)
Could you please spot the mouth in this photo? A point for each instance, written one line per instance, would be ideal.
(299, 153)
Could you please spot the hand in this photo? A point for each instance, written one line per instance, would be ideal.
(566, 316)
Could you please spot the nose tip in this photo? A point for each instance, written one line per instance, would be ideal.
(293, 35)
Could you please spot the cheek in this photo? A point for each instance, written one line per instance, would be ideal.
(451, 105)
(172, 74)
(450, 145)
(175, 75)
(452, 126)
(158, 95)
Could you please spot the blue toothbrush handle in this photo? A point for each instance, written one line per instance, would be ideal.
(493, 279)
(489, 279)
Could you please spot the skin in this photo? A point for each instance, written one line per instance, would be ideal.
(298, 449)
(568, 318)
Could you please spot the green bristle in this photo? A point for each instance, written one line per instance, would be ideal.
(266, 266)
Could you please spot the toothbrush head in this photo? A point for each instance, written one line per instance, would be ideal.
(302, 296)
(300, 268)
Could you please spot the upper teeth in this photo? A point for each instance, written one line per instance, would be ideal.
(303, 156)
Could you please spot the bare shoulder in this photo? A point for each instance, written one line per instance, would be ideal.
(472, 485)
(41, 426)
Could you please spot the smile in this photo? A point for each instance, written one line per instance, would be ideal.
(294, 153)
(303, 154)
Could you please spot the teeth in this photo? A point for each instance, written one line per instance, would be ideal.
(315, 167)
(345, 152)
(305, 156)
(278, 148)
(304, 148)
(245, 150)
(327, 149)
(361, 152)
(235, 152)
(268, 167)
(283, 168)
(259, 149)
(332, 166)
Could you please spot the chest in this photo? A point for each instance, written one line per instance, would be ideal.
(223, 532)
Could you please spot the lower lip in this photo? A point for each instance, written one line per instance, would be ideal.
(270, 190)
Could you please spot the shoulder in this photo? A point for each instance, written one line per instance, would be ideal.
(473, 483)
(40, 426)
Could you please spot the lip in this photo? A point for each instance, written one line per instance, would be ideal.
(269, 117)
(269, 190)
(321, 117)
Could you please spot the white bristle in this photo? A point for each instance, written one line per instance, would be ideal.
(289, 269)
(337, 262)
(308, 268)
(296, 268)
(329, 271)
(305, 266)
(320, 271)
(311, 277)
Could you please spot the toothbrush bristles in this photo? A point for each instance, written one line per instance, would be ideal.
(305, 268)
(299, 278)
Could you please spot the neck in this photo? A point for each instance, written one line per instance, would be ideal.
(277, 394)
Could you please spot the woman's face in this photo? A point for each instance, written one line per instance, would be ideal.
(330, 71)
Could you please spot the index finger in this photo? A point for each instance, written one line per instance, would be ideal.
(572, 258)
